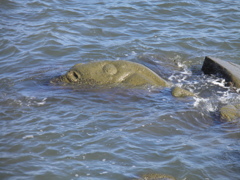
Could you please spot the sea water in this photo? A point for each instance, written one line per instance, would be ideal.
(56, 132)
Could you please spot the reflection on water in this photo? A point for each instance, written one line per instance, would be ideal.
(61, 132)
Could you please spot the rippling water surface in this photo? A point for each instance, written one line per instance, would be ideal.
(52, 132)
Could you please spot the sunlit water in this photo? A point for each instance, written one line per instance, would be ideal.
(54, 132)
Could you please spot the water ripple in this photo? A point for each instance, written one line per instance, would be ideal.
(52, 132)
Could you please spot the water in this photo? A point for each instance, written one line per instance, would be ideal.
(52, 132)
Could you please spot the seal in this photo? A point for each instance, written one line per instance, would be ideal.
(116, 74)
(112, 73)
(230, 112)
(156, 177)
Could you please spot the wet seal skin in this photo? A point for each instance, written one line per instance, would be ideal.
(116, 73)
(156, 177)
(230, 112)
(179, 92)
(106, 73)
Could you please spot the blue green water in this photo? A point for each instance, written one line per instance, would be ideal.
(52, 132)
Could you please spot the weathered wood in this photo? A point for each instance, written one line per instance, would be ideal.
(227, 70)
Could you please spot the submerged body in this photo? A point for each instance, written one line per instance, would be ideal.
(116, 74)
(156, 177)
(230, 112)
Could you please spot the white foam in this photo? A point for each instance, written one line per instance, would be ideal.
(204, 104)
(219, 82)
(28, 137)
(185, 68)
(182, 76)
(212, 87)
(30, 101)
(42, 102)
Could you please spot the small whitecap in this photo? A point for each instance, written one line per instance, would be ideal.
(28, 137)
(134, 53)
(206, 103)
(197, 101)
(90, 134)
(218, 82)
(42, 102)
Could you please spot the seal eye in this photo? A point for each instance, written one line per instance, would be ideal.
(73, 76)
(109, 69)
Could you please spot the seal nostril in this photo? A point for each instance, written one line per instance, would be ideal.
(75, 75)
